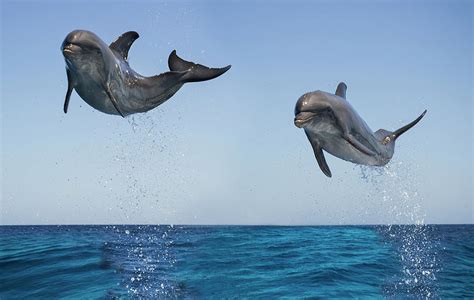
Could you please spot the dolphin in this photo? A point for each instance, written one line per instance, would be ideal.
(101, 75)
(333, 125)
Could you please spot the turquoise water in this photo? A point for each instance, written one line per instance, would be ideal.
(236, 261)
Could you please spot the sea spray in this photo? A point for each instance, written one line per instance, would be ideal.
(145, 157)
(146, 260)
(396, 187)
(142, 163)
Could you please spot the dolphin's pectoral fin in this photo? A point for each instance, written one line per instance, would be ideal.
(346, 134)
(341, 90)
(123, 43)
(318, 152)
(70, 87)
(358, 145)
(114, 101)
(195, 72)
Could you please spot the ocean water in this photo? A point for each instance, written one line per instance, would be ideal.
(110, 262)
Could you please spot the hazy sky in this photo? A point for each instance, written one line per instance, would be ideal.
(226, 151)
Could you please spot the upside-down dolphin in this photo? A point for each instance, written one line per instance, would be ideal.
(331, 124)
(100, 74)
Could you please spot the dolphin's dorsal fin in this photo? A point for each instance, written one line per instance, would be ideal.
(341, 90)
(70, 87)
(318, 152)
(123, 43)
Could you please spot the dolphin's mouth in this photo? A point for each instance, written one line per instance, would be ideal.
(302, 118)
(70, 49)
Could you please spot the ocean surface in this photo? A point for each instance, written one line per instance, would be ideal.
(120, 262)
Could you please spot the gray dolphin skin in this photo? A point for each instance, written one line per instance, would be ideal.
(100, 74)
(331, 124)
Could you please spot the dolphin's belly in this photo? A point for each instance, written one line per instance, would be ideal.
(94, 95)
(330, 137)
(89, 84)
(131, 99)
(339, 147)
(140, 99)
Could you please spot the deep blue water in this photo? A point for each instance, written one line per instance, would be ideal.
(236, 261)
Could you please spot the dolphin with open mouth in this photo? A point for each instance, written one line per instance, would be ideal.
(101, 75)
(332, 124)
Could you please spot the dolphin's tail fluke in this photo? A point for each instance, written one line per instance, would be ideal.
(402, 130)
(195, 72)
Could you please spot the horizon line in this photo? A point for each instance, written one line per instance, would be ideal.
(244, 225)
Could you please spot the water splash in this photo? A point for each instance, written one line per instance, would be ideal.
(146, 260)
(141, 160)
(397, 189)
(147, 159)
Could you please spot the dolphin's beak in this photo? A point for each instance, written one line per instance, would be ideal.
(402, 130)
(302, 118)
(70, 49)
(298, 123)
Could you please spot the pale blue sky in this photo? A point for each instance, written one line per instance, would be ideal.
(226, 150)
